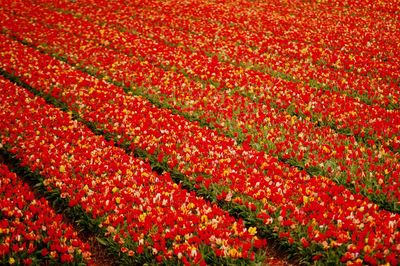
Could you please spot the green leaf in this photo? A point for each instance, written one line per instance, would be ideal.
(101, 241)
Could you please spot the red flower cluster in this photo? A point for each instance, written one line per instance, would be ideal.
(322, 42)
(373, 168)
(141, 212)
(245, 41)
(31, 233)
(283, 197)
(227, 90)
(344, 112)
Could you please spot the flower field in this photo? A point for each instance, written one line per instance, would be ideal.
(200, 132)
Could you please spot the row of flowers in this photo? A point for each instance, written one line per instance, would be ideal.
(313, 214)
(345, 113)
(145, 216)
(31, 233)
(273, 22)
(287, 30)
(372, 170)
(316, 56)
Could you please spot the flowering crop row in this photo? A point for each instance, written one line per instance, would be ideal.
(345, 113)
(276, 30)
(141, 211)
(313, 213)
(231, 21)
(307, 62)
(31, 233)
(371, 170)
